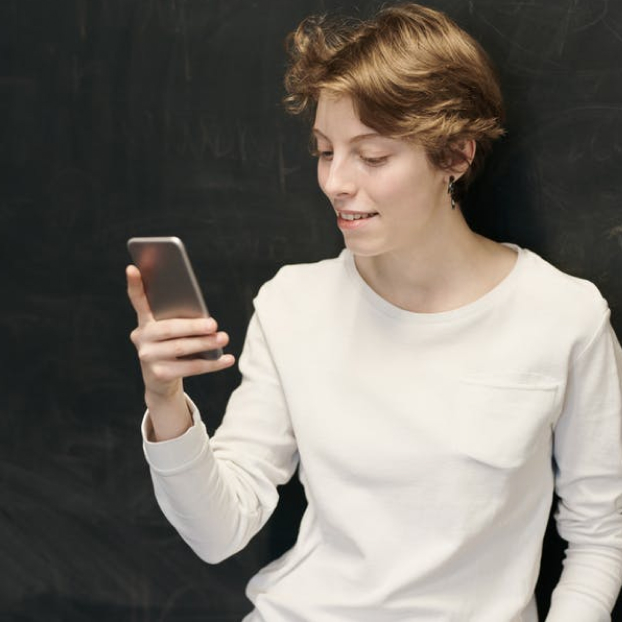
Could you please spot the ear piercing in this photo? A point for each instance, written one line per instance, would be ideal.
(450, 191)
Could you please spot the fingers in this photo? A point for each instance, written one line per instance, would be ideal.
(136, 294)
(168, 349)
(165, 330)
(169, 371)
(152, 349)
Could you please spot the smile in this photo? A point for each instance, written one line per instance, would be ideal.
(355, 216)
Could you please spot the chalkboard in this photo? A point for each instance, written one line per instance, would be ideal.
(163, 117)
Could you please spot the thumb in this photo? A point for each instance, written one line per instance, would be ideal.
(136, 294)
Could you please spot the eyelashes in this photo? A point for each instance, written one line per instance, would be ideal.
(378, 161)
(322, 155)
(327, 155)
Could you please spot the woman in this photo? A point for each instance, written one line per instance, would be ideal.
(433, 387)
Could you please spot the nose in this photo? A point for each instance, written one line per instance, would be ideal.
(337, 178)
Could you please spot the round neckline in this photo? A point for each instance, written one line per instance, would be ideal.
(480, 304)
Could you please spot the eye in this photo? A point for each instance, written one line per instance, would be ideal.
(322, 154)
(377, 161)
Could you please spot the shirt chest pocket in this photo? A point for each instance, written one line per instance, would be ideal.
(503, 422)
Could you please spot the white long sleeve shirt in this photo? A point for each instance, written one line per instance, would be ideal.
(428, 445)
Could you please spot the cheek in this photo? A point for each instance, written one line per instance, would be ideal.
(397, 188)
(407, 185)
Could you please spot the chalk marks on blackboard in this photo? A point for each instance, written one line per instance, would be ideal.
(614, 27)
(575, 14)
(615, 233)
(81, 9)
(66, 541)
(579, 156)
(205, 138)
(583, 133)
(540, 34)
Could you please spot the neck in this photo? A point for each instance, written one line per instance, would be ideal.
(438, 273)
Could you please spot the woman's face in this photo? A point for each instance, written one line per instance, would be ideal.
(385, 193)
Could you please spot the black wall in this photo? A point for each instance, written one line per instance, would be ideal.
(156, 117)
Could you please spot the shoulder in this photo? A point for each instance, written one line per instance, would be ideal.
(551, 283)
(304, 284)
(565, 302)
(315, 272)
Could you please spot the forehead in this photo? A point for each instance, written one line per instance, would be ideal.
(336, 117)
(337, 122)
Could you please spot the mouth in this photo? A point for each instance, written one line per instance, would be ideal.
(356, 215)
(354, 221)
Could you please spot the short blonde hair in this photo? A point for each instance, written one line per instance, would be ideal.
(412, 73)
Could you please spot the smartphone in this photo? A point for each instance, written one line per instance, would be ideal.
(170, 284)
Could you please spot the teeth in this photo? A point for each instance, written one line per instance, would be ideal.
(354, 216)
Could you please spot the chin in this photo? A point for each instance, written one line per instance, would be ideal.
(362, 250)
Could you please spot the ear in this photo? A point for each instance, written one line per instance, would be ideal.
(463, 156)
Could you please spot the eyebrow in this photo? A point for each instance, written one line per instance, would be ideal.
(356, 139)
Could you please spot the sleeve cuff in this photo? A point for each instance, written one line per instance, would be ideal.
(567, 607)
(176, 454)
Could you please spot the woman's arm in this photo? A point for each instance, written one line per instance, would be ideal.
(588, 461)
(218, 492)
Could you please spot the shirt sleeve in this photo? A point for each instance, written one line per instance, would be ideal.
(218, 492)
(588, 460)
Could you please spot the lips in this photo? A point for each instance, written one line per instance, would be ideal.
(355, 215)
(354, 221)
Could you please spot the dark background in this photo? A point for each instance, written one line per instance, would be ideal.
(159, 117)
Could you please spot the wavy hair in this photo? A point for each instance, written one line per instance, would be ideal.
(412, 74)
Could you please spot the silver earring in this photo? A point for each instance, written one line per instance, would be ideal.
(450, 191)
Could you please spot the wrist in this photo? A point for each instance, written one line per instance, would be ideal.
(158, 399)
(170, 416)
